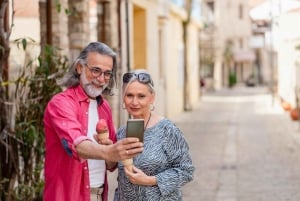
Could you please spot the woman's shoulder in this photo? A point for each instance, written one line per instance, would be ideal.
(159, 120)
(166, 126)
(166, 123)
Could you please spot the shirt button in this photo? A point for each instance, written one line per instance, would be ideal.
(85, 168)
(87, 186)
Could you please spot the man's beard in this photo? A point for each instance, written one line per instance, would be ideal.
(89, 88)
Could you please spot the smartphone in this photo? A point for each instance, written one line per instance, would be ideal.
(135, 128)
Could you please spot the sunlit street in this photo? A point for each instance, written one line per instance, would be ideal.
(244, 148)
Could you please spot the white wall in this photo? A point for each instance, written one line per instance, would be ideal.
(288, 56)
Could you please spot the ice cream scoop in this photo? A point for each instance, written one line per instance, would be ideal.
(101, 129)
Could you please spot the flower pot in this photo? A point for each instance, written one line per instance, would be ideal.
(294, 113)
(286, 106)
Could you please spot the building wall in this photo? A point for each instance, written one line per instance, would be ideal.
(193, 62)
(144, 43)
(155, 42)
(26, 25)
(288, 57)
(229, 26)
(174, 68)
(60, 35)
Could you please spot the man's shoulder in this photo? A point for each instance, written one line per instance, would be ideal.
(63, 94)
(67, 96)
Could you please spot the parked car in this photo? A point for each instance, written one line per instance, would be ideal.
(251, 81)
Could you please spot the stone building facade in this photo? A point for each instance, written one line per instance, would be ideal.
(145, 34)
(228, 27)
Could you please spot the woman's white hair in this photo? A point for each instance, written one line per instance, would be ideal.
(134, 78)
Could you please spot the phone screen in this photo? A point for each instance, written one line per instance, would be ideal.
(135, 128)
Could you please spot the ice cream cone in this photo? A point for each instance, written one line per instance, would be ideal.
(101, 129)
(128, 164)
(102, 136)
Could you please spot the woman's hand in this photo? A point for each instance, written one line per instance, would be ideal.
(140, 178)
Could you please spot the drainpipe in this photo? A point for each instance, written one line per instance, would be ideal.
(102, 36)
(119, 67)
(127, 36)
(49, 22)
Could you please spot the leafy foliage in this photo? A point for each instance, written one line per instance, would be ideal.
(33, 89)
(232, 79)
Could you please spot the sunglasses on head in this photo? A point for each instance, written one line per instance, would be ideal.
(141, 77)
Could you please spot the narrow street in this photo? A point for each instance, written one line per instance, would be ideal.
(244, 148)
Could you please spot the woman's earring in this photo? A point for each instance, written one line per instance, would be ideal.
(152, 107)
(123, 106)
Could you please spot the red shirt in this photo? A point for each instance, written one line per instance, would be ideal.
(65, 126)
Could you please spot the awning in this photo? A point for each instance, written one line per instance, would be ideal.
(244, 56)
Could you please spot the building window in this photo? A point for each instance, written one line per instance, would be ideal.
(241, 12)
(179, 3)
(241, 44)
(211, 5)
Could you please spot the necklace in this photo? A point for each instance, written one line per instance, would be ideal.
(148, 121)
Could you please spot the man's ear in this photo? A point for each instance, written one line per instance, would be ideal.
(79, 68)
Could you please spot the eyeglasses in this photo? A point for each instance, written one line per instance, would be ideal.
(96, 72)
(141, 77)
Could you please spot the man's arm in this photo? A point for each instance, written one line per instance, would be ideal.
(123, 149)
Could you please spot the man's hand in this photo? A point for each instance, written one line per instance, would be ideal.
(124, 149)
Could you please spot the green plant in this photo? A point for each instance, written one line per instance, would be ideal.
(232, 79)
(33, 89)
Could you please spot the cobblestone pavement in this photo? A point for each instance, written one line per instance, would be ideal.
(244, 148)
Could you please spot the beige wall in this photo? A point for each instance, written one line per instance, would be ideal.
(174, 68)
(26, 25)
(230, 26)
(288, 56)
(140, 37)
(155, 43)
(193, 63)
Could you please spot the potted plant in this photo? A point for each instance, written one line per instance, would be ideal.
(286, 105)
(294, 114)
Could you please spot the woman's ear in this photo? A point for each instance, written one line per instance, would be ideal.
(152, 98)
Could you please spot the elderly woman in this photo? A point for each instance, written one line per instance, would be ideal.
(165, 164)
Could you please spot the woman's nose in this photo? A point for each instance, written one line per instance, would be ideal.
(134, 100)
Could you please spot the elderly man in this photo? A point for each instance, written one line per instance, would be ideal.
(75, 163)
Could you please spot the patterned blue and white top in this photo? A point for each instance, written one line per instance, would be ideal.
(165, 156)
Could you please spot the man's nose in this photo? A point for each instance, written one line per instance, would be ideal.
(100, 77)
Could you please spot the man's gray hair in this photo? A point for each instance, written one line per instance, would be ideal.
(72, 77)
